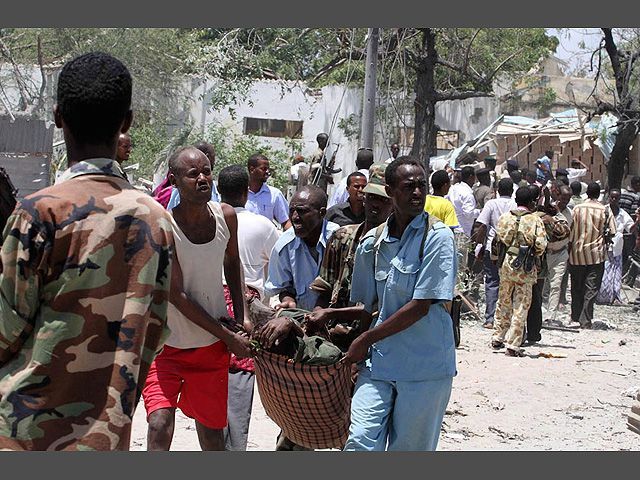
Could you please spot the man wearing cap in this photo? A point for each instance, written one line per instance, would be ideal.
(483, 192)
(333, 283)
(511, 165)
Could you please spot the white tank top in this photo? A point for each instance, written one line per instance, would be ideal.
(202, 268)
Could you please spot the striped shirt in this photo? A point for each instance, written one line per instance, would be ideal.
(629, 201)
(587, 239)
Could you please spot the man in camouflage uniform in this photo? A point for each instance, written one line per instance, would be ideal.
(334, 280)
(517, 228)
(85, 273)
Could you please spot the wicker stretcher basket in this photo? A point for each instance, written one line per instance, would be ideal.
(310, 403)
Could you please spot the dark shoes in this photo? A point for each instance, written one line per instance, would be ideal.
(514, 353)
(496, 345)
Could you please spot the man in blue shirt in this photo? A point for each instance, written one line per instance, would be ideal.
(406, 271)
(210, 152)
(294, 264)
(297, 255)
(543, 167)
(264, 199)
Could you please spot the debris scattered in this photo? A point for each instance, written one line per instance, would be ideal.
(549, 355)
(615, 372)
(632, 392)
(455, 411)
(612, 404)
(597, 360)
(622, 342)
(505, 435)
(562, 329)
(602, 325)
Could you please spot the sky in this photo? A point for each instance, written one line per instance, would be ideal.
(570, 49)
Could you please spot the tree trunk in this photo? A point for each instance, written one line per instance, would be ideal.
(620, 155)
(425, 130)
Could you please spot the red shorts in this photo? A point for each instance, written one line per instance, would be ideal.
(194, 380)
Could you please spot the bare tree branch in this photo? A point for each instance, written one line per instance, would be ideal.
(457, 95)
(329, 67)
(459, 68)
(43, 84)
(465, 65)
(24, 95)
(503, 63)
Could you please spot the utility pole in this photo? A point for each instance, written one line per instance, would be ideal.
(369, 102)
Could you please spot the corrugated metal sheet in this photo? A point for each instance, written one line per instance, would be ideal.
(25, 135)
(28, 173)
(26, 146)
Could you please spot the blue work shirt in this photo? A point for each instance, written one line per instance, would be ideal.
(426, 349)
(268, 202)
(174, 201)
(292, 268)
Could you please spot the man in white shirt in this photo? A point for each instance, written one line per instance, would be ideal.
(364, 160)
(488, 220)
(577, 170)
(257, 236)
(395, 150)
(461, 195)
(558, 256)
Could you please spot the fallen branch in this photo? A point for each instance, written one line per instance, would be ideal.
(615, 372)
(561, 329)
(597, 360)
(472, 308)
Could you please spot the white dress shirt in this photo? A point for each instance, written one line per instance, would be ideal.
(461, 195)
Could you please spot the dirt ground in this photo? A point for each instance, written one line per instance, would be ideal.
(577, 402)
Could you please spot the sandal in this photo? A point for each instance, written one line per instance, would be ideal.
(488, 325)
(496, 344)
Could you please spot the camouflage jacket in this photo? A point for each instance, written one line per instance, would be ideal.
(85, 269)
(528, 231)
(337, 265)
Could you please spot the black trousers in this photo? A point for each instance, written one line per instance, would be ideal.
(585, 283)
(534, 316)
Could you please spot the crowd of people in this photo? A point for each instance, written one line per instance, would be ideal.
(531, 233)
(110, 295)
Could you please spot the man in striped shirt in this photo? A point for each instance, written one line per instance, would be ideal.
(587, 252)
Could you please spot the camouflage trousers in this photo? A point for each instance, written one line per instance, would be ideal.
(514, 299)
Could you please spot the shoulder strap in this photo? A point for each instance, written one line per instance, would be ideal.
(515, 235)
(428, 225)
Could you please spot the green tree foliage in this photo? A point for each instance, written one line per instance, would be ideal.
(235, 149)
(417, 67)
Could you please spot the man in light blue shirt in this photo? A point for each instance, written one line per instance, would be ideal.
(210, 152)
(297, 255)
(406, 271)
(543, 167)
(264, 199)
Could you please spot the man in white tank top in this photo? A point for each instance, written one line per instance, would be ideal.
(191, 372)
